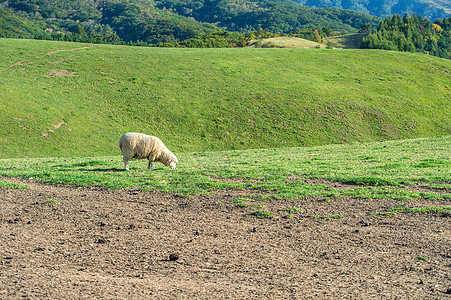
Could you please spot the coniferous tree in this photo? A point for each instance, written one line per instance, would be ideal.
(412, 34)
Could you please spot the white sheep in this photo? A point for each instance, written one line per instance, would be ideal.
(143, 146)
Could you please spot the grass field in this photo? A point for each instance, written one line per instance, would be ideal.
(369, 170)
(62, 99)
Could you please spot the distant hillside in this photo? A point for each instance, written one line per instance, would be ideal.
(106, 22)
(431, 9)
(412, 34)
(14, 25)
(165, 21)
(273, 16)
(72, 99)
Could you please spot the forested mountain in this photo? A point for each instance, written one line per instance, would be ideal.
(165, 21)
(13, 24)
(214, 23)
(431, 9)
(271, 15)
(106, 21)
(412, 34)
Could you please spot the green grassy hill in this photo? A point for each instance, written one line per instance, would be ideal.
(68, 99)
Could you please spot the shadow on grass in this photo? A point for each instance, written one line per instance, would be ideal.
(109, 170)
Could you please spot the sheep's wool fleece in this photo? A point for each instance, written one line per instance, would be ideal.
(143, 146)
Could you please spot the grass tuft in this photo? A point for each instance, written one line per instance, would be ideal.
(50, 201)
(11, 185)
(261, 214)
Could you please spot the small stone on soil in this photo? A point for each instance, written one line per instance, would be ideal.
(173, 256)
(364, 223)
(102, 241)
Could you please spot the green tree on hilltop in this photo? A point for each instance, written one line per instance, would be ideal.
(412, 34)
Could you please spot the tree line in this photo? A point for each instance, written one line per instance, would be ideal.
(204, 23)
(412, 34)
(165, 21)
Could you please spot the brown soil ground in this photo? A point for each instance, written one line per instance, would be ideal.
(116, 244)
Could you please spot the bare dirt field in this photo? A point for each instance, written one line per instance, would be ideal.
(61, 242)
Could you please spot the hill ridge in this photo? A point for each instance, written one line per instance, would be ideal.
(215, 99)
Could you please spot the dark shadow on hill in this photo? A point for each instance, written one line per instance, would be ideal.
(349, 41)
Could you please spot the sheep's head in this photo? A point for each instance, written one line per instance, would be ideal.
(168, 159)
(173, 162)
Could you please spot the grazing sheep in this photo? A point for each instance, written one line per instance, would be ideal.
(143, 146)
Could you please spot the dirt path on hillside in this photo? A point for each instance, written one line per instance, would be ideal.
(60, 242)
(52, 72)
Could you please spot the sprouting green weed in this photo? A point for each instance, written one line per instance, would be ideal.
(326, 199)
(422, 258)
(386, 213)
(52, 200)
(293, 208)
(336, 217)
(429, 209)
(328, 217)
(372, 192)
(261, 214)
(240, 202)
(11, 185)
(288, 216)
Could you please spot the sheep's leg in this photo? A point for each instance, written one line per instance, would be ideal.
(126, 166)
(150, 166)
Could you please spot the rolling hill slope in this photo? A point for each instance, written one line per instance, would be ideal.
(69, 99)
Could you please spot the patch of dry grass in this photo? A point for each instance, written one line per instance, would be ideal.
(291, 42)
